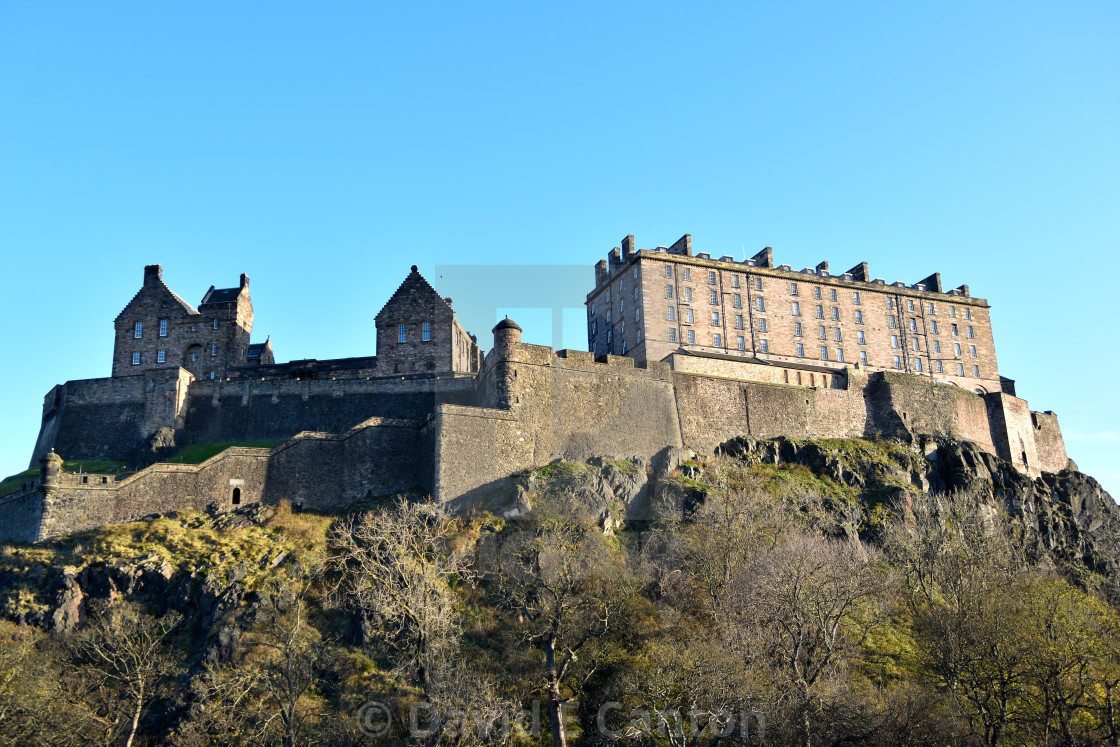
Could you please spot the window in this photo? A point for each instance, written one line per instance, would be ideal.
(822, 333)
(968, 314)
(971, 332)
(426, 331)
(890, 302)
(855, 298)
(594, 327)
(931, 309)
(933, 327)
(913, 325)
(956, 330)
(894, 341)
(161, 356)
(910, 304)
(797, 329)
(897, 362)
(953, 311)
(960, 369)
(741, 343)
(138, 330)
(163, 328)
(688, 295)
(715, 318)
(971, 351)
(194, 357)
(668, 291)
(718, 340)
(918, 364)
(214, 324)
(840, 354)
(672, 334)
(688, 316)
(937, 346)
(623, 348)
(820, 312)
(817, 292)
(637, 313)
(793, 289)
(136, 359)
(668, 271)
(737, 301)
(860, 338)
(836, 335)
(796, 308)
(691, 337)
(917, 345)
(402, 331)
(835, 314)
(957, 349)
(213, 349)
(735, 281)
(711, 277)
(639, 332)
(713, 298)
(213, 375)
(976, 371)
(635, 293)
(758, 284)
(687, 275)
(760, 304)
(863, 357)
(634, 272)
(832, 295)
(800, 350)
(891, 322)
(761, 324)
(671, 313)
(939, 367)
(859, 317)
(824, 352)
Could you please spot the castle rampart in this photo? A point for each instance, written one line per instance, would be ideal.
(463, 426)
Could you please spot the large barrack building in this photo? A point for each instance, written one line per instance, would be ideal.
(650, 303)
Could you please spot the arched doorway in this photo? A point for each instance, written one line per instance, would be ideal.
(236, 496)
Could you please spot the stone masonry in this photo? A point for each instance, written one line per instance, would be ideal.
(429, 413)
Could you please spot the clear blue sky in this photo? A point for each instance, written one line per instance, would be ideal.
(324, 148)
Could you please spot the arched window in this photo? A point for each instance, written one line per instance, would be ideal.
(236, 496)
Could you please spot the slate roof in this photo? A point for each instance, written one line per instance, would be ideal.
(256, 349)
(162, 285)
(221, 295)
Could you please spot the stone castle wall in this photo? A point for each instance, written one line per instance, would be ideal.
(468, 435)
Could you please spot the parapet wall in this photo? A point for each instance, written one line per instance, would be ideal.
(317, 470)
(110, 418)
(244, 410)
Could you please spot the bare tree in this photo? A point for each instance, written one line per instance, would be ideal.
(396, 569)
(809, 604)
(566, 587)
(129, 650)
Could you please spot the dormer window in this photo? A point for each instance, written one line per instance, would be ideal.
(426, 331)
(138, 330)
(163, 328)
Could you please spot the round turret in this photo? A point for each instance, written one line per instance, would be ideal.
(507, 333)
(51, 470)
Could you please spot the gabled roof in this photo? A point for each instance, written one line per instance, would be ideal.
(156, 284)
(257, 348)
(415, 282)
(220, 295)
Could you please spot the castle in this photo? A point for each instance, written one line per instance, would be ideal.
(687, 351)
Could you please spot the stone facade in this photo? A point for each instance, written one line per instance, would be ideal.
(429, 413)
(158, 330)
(417, 332)
(648, 304)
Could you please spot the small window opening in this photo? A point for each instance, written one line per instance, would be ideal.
(236, 496)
